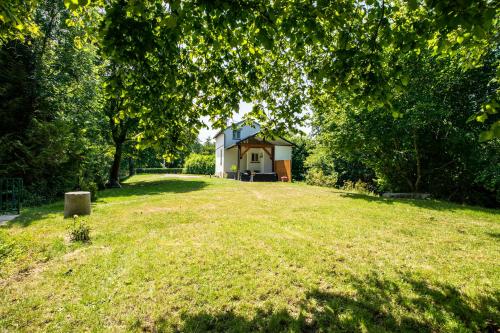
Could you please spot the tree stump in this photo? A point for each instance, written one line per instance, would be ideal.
(76, 203)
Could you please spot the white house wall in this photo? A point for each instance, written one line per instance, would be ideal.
(219, 162)
(282, 153)
(219, 155)
(267, 162)
(230, 158)
(246, 131)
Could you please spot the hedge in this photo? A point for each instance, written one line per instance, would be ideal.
(158, 170)
(200, 164)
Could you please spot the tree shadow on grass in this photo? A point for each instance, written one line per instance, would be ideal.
(33, 214)
(495, 235)
(153, 187)
(422, 203)
(373, 304)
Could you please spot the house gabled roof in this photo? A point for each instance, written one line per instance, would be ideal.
(233, 124)
(248, 137)
(254, 135)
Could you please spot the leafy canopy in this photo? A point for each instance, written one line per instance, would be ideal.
(188, 59)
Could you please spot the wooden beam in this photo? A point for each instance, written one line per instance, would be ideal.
(243, 153)
(256, 145)
(238, 167)
(268, 153)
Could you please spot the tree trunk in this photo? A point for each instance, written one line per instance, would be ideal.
(119, 135)
(419, 166)
(114, 174)
(131, 168)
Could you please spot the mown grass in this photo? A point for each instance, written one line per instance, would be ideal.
(204, 254)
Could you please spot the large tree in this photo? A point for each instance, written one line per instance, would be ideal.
(52, 132)
(191, 58)
(428, 145)
(208, 55)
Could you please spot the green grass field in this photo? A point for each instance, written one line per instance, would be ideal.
(201, 254)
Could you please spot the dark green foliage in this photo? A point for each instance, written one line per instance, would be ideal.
(352, 172)
(164, 68)
(316, 176)
(427, 144)
(200, 164)
(320, 168)
(300, 152)
(205, 148)
(148, 158)
(342, 170)
(53, 134)
(159, 170)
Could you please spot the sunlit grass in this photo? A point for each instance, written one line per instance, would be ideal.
(199, 254)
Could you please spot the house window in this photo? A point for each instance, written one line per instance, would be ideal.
(255, 157)
(236, 134)
(220, 159)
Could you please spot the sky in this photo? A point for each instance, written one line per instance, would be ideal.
(244, 108)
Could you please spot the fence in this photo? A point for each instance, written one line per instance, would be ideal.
(11, 190)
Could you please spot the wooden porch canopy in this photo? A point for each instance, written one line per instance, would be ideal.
(253, 142)
(249, 143)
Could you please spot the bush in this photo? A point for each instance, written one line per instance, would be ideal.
(315, 176)
(159, 170)
(200, 164)
(359, 187)
(301, 150)
(80, 232)
(90, 187)
(321, 171)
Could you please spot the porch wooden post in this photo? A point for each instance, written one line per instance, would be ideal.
(238, 166)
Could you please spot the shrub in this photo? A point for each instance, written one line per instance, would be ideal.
(80, 232)
(359, 186)
(159, 170)
(301, 150)
(315, 176)
(90, 187)
(200, 164)
(321, 169)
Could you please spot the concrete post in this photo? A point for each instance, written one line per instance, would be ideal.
(76, 203)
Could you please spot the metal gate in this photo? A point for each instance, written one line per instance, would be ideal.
(11, 190)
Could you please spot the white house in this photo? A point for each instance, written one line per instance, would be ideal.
(243, 153)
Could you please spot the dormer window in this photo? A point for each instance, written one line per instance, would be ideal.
(236, 134)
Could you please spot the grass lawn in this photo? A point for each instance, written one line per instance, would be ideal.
(200, 254)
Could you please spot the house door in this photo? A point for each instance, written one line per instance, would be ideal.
(255, 161)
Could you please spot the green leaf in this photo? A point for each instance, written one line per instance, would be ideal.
(482, 117)
(71, 4)
(486, 136)
(170, 22)
(404, 80)
(412, 4)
